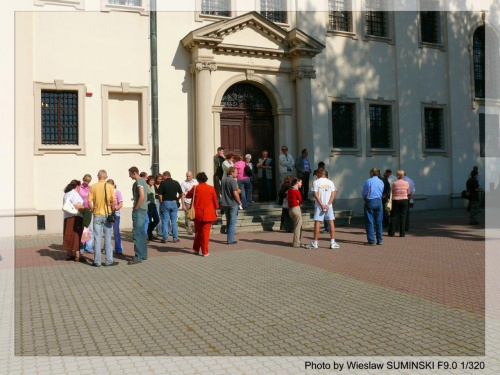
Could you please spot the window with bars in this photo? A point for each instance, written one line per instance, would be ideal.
(133, 3)
(344, 125)
(216, 7)
(59, 123)
(482, 135)
(274, 10)
(380, 126)
(433, 124)
(429, 27)
(339, 15)
(478, 55)
(376, 24)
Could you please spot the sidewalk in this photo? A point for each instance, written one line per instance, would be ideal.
(422, 295)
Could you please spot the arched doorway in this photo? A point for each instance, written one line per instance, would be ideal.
(247, 123)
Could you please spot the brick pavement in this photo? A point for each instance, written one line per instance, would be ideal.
(421, 295)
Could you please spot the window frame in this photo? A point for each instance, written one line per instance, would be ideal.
(390, 26)
(125, 88)
(357, 151)
(59, 85)
(143, 10)
(200, 17)
(370, 151)
(443, 151)
(287, 11)
(441, 44)
(351, 33)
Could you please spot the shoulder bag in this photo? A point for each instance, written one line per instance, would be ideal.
(68, 206)
(191, 213)
(388, 204)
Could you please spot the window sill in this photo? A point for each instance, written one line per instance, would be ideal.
(383, 39)
(345, 151)
(142, 10)
(431, 152)
(345, 34)
(200, 17)
(114, 149)
(77, 4)
(59, 149)
(381, 151)
(438, 46)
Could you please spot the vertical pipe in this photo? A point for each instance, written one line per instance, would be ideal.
(155, 162)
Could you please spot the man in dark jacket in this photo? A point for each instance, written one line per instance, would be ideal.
(474, 189)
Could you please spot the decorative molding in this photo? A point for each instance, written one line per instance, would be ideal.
(250, 73)
(59, 84)
(77, 4)
(206, 65)
(125, 87)
(303, 73)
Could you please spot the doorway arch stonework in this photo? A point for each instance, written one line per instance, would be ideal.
(277, 61)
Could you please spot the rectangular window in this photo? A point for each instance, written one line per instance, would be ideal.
(482, 135)
(216, 8)
(429, 27)
(376, 24)
(343, 125)
(433, 118)
(274, 10)
(380, 127)
(59, 117)
(133, 3)
(339, 15)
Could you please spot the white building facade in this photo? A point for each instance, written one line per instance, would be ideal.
(358, 89)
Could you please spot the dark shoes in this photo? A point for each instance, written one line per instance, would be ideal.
(232, 243)
(96, 265)
(134, 261)
(162, 241)
(369, 243)
(111, 264)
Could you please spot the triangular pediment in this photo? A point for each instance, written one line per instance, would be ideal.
(252, 33)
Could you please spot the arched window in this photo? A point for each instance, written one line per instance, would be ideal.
(479, 60)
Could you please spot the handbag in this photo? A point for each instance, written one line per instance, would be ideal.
(191, 213)
(86, 235)
(388, 204)
(68, 206)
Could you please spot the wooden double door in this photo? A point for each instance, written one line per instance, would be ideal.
(248, 131)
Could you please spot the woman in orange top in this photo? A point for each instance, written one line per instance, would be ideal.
(205, 204)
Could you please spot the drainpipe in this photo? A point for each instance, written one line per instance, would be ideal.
(155, 162)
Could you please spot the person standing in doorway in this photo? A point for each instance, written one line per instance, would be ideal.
(303, 171)
(265, 174)
(286, 164)
(219, 158)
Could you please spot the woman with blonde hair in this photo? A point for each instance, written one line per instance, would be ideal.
(400, 191)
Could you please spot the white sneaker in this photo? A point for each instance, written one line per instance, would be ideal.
(334, 245)
(312, 246)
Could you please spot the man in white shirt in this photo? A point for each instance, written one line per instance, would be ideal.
(186, 186)
(324, 192)
(286, 164)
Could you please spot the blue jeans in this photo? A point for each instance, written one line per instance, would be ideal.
(231, 218)
(153, 217)
(245, 185)
(146, 223)
(159, 226)
(118, 237)
(140, 245)
(169, 213)
(100, 225)
(373, 217)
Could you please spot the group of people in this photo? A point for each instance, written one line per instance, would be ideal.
(387, 202)
(474, 191)
(157, 199)
(263, 171)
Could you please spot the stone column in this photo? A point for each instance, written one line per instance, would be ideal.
(204, 129)
(302, 78)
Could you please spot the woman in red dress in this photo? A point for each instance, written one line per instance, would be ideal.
(205, 204)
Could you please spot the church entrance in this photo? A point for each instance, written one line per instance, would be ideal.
(247, 125)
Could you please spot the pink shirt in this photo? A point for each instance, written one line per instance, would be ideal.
(400, 190)
(240, 166)
(84, 193)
